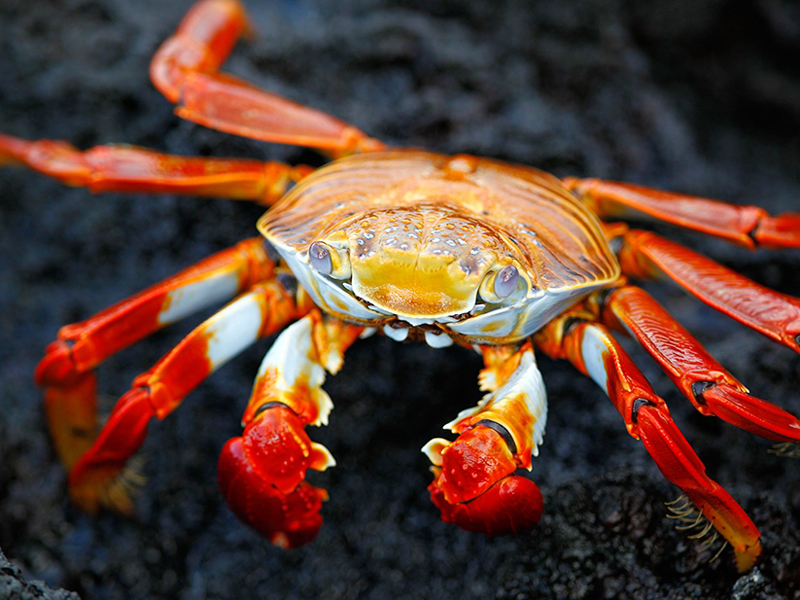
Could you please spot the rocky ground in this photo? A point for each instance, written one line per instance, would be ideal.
(700, 96)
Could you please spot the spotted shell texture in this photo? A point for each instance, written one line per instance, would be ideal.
(438, 207)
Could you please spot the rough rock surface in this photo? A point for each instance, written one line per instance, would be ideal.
(700, 96)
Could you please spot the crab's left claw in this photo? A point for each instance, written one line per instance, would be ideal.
(262, 474)
(263, 481)
(476, 488)
(476, 484)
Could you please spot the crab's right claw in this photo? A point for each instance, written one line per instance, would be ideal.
(475, 485)
(262, 477)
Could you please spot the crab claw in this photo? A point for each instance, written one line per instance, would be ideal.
(261, 476)
(476, 488)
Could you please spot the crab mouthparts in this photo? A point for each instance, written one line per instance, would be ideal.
(399, 332)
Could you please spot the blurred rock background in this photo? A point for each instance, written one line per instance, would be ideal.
(699, 96)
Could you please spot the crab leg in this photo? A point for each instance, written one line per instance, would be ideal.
(594, 352)
(647, 255)
(130, 169)
(97, 479)
(746, 225)
(475, 485)
(185, 70)
(712, 389)
(262, 474)
(67, 369)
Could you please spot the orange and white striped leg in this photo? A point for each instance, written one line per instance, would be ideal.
(114, 168)
(475, 482)
(67, 369)
(186, 70)
(262, 474)
(94, 481)
(592, 349)
(710, 387)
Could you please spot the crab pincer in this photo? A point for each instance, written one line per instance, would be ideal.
(476, 488)
(261, 476)
(476, 484)
(262, 473)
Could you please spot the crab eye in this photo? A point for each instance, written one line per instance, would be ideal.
(500, 285)
(320, 258)
(329, 259)
(506, 281)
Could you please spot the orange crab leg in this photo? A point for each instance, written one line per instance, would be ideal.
(475, 482)
(712, 389)
(97, 480)
(746, 225)
(130, 169)
(262, 472)
(185, 70)
(594, 352)
(66, 371)
(647, 255)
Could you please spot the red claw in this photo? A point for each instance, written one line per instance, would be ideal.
(277, 448)
(476, 488)
(261, 476)
(473, 463)
(512, 505)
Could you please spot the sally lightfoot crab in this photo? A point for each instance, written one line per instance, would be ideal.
(418, 246)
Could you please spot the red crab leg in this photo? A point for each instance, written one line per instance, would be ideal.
(475, 485)
(66, 371)
(746, 225)
(262, 474)
(185, 70)
(647, 255)
(97, 479)
(594, 352)
(712, 389)
(130, 169)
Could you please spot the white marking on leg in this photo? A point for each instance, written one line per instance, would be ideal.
(291, 358)
(526, 380)
(593, 349)
(186, 300)
(233, 329)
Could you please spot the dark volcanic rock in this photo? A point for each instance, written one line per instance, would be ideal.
(700, 96)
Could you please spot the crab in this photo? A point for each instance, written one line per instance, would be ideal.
(415, 245)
